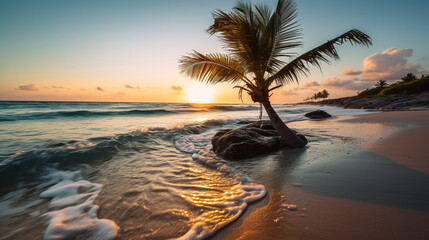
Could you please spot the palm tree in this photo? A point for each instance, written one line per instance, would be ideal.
(409, 77)
(258, 40)
(380, 84)
(325, 94)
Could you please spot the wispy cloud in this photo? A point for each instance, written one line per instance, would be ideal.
(57, 87)
(311, 84)
(289, 93)
(177, 89)
(100, 89)
(351, 71)
(349, 84)
(131, 87)
(29, 87)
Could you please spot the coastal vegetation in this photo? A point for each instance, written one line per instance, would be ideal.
(407, 88)
(401, 95)
(258, 41)
(381, 84)
(409, 77)
(404, 87)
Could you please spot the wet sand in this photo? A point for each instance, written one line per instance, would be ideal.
(363, 177)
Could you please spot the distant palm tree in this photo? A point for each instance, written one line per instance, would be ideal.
(409, 77)
(325, 94)
(258, 40)
(381, 84)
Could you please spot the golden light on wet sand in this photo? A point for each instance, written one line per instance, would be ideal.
(200, 93)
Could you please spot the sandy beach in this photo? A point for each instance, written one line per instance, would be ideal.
(362, 177)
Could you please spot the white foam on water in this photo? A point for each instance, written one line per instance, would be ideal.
(185, 145)
(233, 202)
(73, 212)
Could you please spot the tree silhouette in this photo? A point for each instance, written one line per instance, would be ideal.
(409, 77)
(381, 84)
(258, 40)
(323, 95)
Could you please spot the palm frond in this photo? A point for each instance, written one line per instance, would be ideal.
(212, 68)
(274, 88)
(290, 34)
(240, 91)
(231, 28)
(323, 53)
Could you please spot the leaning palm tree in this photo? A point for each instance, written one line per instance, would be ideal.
(258, 40)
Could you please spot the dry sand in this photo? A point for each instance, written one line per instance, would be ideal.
(360, 178)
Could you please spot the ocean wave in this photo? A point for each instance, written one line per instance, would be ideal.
(213, 107)
(87, 113)
(131, 112)
(27, 164)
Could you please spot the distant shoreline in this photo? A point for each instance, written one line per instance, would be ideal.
(378, 103)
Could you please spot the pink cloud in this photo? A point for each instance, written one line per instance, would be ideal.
(289, 93)
(350, 71)
(349, 84)
(391, 64)
(311, 84)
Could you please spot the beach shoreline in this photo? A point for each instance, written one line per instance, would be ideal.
(368, 183)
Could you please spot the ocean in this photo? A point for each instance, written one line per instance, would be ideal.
(90, 170)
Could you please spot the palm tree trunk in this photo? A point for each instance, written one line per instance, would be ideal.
(289, 137)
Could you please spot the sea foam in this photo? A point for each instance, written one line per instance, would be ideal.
(231, 203)
(73, 211)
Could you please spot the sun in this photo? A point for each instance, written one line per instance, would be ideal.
(200, 93)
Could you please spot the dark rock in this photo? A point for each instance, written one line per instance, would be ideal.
(245, 142)
(318, 114)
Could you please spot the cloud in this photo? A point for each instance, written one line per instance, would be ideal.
(99, 89)
(131, 87)
(289, 93)
(350, 84)
(311, 84)
(177, 89)
(29, 87)
(350, 71)
(391, 64)
(57, 87)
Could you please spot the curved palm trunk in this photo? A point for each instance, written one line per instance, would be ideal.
(289, 137)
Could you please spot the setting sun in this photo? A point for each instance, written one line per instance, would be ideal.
(200, 93)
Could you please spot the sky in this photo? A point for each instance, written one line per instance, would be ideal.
(128, 51)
